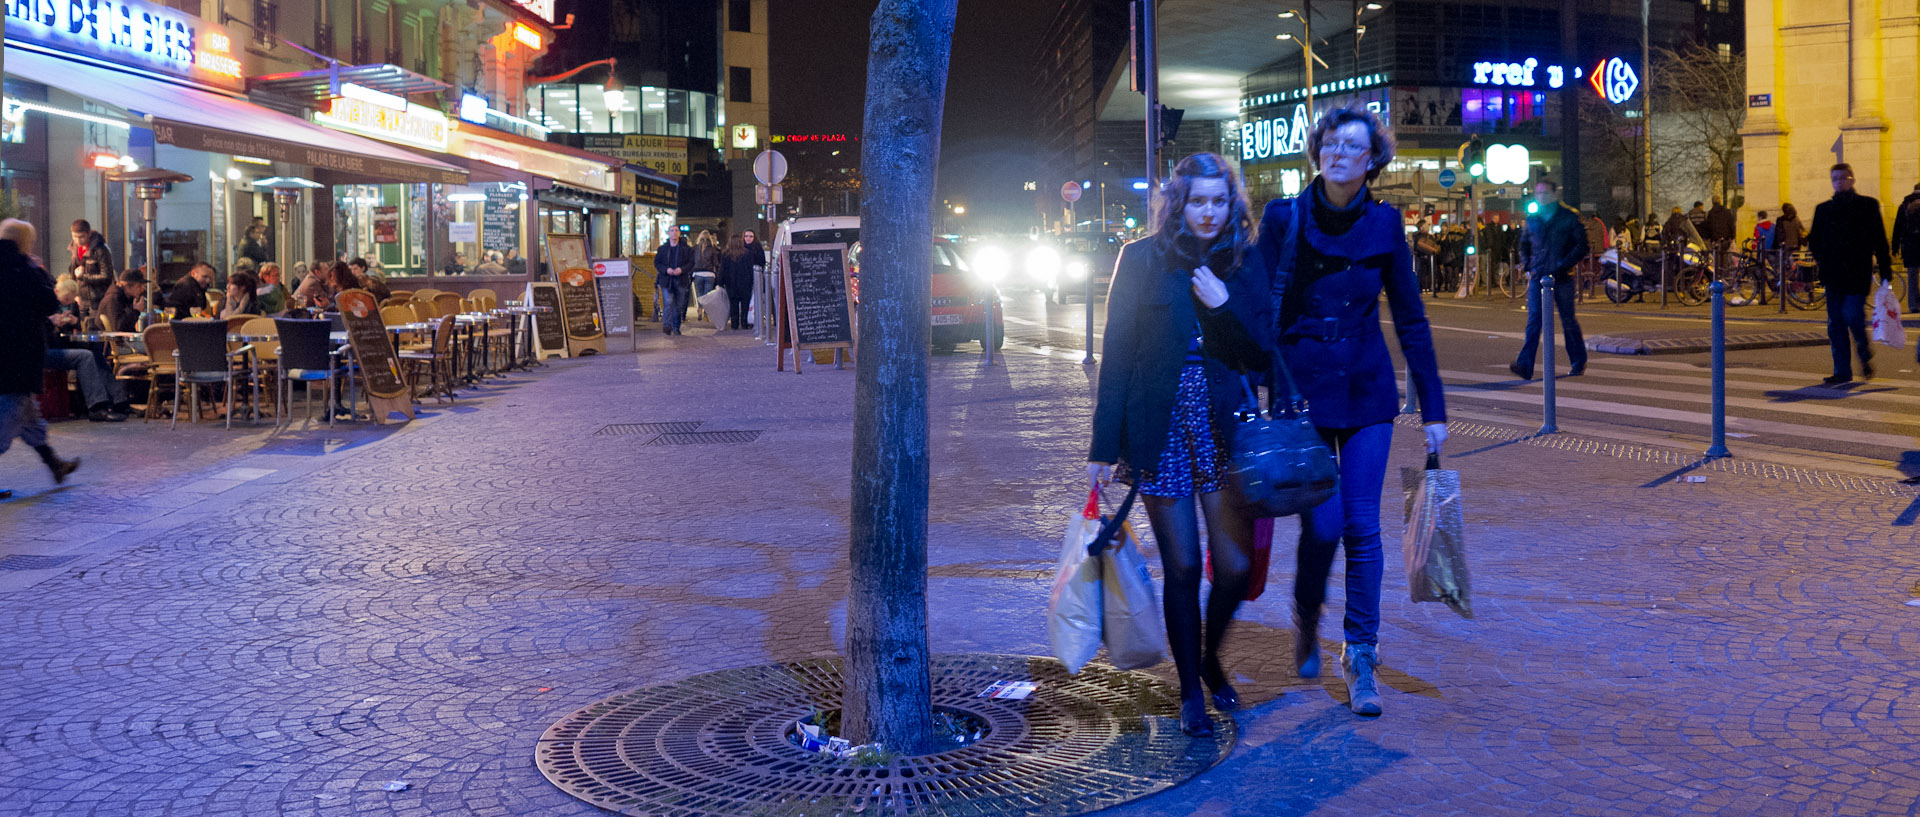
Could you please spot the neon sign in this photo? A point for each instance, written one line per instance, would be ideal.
(131, 32)
(1518, 74)
(1614, 80)
(413, 125)
(1267, 138)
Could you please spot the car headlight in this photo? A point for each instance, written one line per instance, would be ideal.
(990, 264)
(1043, 263)
(1077, 271)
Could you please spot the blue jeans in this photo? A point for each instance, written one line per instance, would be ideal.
(1350, 516)
(673, 305)
(99, 388)
(20, 417)
(1563, 298)
(1847, 316)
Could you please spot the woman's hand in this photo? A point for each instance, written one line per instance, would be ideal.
(1210, 290)
(1436, 437)
(1098, 473)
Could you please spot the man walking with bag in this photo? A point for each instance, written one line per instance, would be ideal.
(670, 262)
(1848, 240)
(1556, 242)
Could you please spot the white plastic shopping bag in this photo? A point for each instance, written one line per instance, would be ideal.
(1887, 329)
(1073, 611)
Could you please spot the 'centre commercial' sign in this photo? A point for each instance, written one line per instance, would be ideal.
(130, 32)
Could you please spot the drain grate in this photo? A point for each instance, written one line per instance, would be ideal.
(706, 438)
(28, 562)
(645, 429)
(715, 745)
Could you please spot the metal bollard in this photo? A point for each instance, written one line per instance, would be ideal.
(1718, 448)
(1546, 306)
(1088, 360)
(1780, 257)
(986, 330)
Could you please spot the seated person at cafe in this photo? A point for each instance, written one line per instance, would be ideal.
(274, 298)
(120, 309)
(106, 397)
(491, 265)
(316, 291)
(243, 295)
(365, 278)
(514, 263)
(188, 299)
(458, 266)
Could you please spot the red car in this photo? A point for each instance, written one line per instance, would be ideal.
(959, 300)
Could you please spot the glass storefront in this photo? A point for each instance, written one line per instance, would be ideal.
(576, 108)
(383, 223)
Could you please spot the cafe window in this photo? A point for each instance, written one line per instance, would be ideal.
(383, 223)
(739, 84)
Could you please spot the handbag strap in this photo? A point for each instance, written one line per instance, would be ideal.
(1110, 526)
(1290, 253)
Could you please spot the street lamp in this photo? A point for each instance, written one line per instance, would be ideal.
(1306, 49)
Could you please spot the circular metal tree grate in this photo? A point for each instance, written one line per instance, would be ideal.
(715, 745)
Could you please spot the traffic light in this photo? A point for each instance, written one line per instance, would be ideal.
(1130, 222)
(1473, 157)
(1170, 123)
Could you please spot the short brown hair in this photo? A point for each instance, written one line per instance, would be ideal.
(1381, 139)
(1841, 166)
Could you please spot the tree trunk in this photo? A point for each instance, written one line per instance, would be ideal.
(888, 691)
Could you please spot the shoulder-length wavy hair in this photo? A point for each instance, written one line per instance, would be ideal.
(1170, 234)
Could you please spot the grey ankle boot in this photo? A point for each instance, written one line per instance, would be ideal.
(1356, 664)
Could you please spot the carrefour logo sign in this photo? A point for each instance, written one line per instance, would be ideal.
(1267, 138)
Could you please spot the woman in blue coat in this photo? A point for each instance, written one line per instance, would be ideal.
(1187, 313)
(1331, 251)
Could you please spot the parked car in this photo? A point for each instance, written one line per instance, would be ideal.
(960, 298)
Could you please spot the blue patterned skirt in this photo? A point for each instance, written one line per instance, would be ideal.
(1194, 461)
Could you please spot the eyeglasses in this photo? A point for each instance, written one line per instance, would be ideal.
(1346, 148)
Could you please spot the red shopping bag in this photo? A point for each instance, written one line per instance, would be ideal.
(1261, 558)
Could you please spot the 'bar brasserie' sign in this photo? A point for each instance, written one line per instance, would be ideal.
(131, 32)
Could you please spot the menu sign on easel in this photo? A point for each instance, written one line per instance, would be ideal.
(387, 389)
(580, 312)
(548, 335)
(817, 298)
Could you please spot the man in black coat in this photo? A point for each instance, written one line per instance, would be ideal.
(26, 300)
(1906, 242)
(120, 309)
(670, 264)
(1556, 242)
(188, 298)
(1848, 241)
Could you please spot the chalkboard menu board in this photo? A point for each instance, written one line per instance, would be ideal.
(500, 220)
(580, 311)
(546, 326)
(817, 292)
(373, 348)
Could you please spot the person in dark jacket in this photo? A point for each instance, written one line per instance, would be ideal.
(1788, 233)
(671, 264)
(1333, 250)
(92, 266)
(254, 246)
(188, 298)
(1186, 316)
(120, 310)
(738, 266)
(1556, 243)
(1849, 242)
(1720, 223)
(26, 301)
(1906, 242)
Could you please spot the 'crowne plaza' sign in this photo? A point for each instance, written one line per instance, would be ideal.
(130, 32)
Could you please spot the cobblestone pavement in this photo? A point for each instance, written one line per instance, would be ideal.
(241, 623)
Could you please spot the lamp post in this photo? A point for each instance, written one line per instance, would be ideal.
(1306, 54)
(1360, 30)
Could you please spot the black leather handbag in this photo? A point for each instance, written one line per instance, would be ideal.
(1279, 465)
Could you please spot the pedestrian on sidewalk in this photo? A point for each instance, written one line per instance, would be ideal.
(737, 267)
(1788, 233)
(1328, 276)
(1848, 241)
(706, 265)
(1556, 244)
(26, 301)
(1187, 313)
(1906, 242)
(670, 264)
(1698, 216)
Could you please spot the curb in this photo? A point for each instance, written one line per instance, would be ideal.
(1690, 345)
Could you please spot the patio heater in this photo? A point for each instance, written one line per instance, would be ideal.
(286, 199)
(148, 186)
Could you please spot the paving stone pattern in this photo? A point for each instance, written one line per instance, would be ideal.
(257, 624)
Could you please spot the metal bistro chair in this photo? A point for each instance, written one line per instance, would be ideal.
(205, 359)
(438, 361)
(306, 356)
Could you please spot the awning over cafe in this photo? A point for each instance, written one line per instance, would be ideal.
(203, 120)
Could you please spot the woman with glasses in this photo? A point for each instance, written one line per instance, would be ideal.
(1330, 252)
(1187, 312)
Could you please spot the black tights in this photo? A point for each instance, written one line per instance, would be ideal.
(1230, 543)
